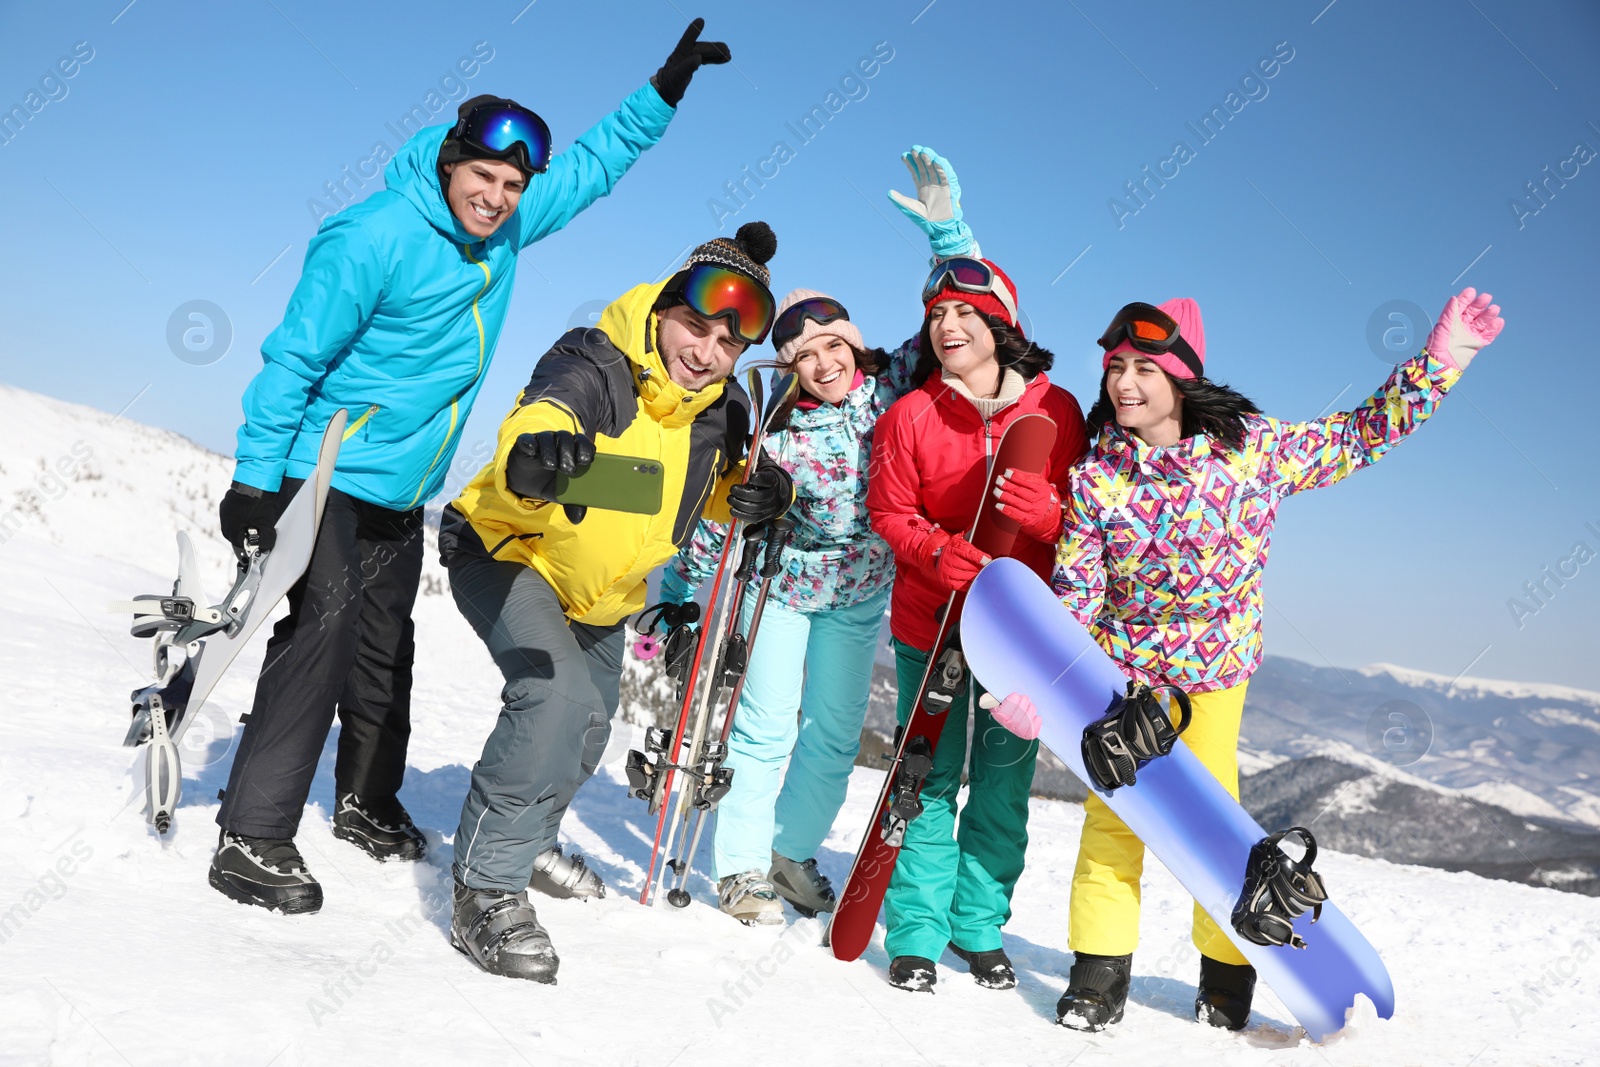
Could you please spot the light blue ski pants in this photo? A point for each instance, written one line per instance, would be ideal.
(805, 692)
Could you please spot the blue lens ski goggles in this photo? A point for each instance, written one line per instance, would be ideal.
(507, 132)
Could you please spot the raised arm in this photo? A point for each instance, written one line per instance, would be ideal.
(593, 164)
(1309, 455)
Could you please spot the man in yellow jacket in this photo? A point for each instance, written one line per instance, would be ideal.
(549, 587)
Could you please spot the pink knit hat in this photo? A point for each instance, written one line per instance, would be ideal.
(811, 328)
(1186, 313)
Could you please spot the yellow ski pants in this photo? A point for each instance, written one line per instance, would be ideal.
(1105, 884)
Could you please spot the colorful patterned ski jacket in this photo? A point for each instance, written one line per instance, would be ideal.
(933, 461)
(397, 312)
(834, 559)
(1162, 554)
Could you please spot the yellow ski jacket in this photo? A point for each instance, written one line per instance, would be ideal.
(609, 383)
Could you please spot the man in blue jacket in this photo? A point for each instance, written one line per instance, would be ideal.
(395, 319)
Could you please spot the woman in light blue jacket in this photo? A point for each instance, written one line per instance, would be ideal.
(810, 672)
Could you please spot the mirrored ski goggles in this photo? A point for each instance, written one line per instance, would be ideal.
(718, 293)
(792, 323)
(508, 132)
(1151, 331)
(968, 276)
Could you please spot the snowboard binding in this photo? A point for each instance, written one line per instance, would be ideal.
(179, 625)
(1278, 889)
(1132, 734)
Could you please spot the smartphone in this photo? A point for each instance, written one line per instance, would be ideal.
(612, 483)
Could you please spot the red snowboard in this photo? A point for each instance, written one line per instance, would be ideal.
(1025, 446)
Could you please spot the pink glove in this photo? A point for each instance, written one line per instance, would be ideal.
(1016, 713)
(1032, 501)
(1469, 322)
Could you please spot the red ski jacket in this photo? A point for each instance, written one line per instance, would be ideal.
(929, 466)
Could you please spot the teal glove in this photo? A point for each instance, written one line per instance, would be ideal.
(937, 208)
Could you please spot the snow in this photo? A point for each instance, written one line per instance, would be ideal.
(1513, 690)
(113, 949)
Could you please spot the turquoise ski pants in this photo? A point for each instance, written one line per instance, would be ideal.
(956, 887)
(805, 692)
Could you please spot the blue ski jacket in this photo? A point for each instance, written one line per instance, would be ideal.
(397, 312)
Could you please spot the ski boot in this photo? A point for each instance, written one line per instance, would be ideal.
(1097, 992)
(802, 885)
(379, 827)
(914, 974)
(565, 877)
(1226, 990)
(991, 969)
(266, 872)
(750, 898)
(500, 932)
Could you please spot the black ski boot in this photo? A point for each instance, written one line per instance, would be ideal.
(1097, 992)
(266, 872)
(913, 973)
(500, 932)
(991, 969)
(1226, 990)
(564, 877)
(379, 827)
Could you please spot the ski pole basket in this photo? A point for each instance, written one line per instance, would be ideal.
(1278, 889)
(1132, 734)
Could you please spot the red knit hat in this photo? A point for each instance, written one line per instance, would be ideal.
(987, 303)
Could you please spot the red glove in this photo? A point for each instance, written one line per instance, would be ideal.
(1031, 501)
(953, 560)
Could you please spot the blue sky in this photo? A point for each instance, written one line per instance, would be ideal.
(1376, 167)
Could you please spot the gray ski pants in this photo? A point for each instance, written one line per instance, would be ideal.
(562, 680)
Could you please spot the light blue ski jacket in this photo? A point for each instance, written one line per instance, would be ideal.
(833, 559)
(397, 312)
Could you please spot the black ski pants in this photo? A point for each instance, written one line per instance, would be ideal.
(346, 646)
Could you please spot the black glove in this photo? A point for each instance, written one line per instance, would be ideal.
(673, 78)
(537, 456)
(245, 508)
(767, 494)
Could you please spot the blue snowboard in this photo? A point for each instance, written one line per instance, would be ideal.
(1018, 638)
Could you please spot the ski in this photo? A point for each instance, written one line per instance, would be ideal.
(194, 644)
(1024, 446)
(763, 558)
(663, 758)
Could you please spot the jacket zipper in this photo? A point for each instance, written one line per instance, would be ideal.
(350, 431)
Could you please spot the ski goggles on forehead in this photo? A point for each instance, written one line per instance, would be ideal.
(792, 323)
(717, 293)
(508, 132)
(968, 276)
(1151, 331)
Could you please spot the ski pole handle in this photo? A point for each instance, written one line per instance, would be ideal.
(776, 541)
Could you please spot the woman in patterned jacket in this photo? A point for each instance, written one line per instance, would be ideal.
(819, 629)
(1168, 525)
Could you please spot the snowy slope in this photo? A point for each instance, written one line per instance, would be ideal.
(114, 950)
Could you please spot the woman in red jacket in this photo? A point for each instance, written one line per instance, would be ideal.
(976, 373)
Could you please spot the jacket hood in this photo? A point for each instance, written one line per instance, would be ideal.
(630, 323)
(414, 174)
